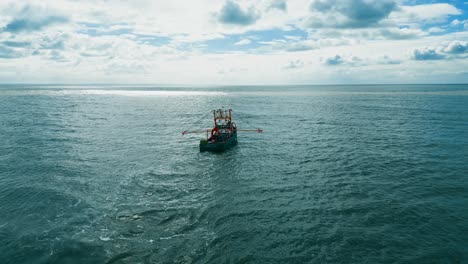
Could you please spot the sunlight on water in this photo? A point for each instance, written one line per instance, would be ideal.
(145, 93)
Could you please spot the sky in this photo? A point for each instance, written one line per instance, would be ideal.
(229, 42)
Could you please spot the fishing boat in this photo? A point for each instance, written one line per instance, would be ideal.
(224, 133)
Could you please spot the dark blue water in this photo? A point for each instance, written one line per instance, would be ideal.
(342, 174)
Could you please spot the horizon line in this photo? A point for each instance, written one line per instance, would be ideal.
(232, 85)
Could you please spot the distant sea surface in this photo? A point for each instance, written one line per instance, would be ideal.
(341, 174)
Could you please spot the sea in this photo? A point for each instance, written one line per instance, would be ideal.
(340, 174)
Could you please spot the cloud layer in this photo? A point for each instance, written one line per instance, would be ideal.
(233, 41)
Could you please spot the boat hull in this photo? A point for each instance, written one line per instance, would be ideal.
(218, 146)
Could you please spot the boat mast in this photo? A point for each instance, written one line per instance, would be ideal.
(222, 115)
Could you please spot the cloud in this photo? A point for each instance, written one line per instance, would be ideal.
(42, 44)
(16, 44)
(9, 53)
(387, 60)
(300, 46)
(350, 14)
(232, 70)
(456, 23)
(453, 50)
(243, 42)
(427, 54)
(53, 42)
(457, 47)
(32, 18)
(231, 13)
(336, 60)
(57, 56)
(400, 33)
(278, 4)
(295, 64)
(362, 34)
(293, 45)
(372, 19)
(436, 30)
(353, 35)
(28, 24)
(348, 60)
(290, 46)
(425, 13)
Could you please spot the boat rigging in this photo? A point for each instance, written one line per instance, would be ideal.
(224, 133)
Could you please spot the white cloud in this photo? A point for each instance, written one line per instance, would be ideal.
(168, 41)
(436, 30)
(295, 64)
(457, 47)
(243, 42)
(426, 13)
(455, 22)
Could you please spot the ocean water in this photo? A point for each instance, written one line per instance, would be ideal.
(341, 174)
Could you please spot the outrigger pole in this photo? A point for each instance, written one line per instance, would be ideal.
(195, 131)
(259, 130)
